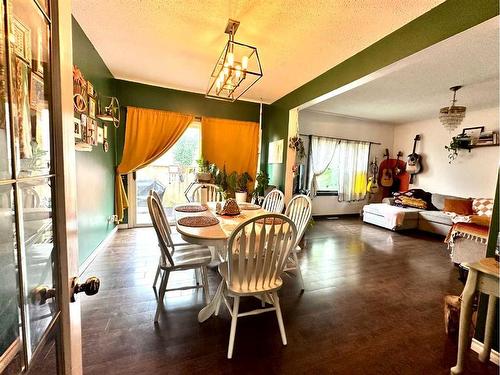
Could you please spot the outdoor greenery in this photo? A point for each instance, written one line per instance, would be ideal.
(185, 149)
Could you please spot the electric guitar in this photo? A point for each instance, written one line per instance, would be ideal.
(413, 165)
(387, 180)
(372, 186)
(397, 170)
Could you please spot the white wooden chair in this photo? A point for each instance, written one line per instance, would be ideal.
(176, 258)
(274, 201)
(213, 193)
(256, 257)
(174, 236)
(299, 210)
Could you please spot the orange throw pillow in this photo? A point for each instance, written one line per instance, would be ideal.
(459, 206)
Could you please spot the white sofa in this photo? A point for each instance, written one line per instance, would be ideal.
(413, 218)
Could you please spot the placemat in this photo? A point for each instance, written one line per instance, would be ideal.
(248, 206)
(270, 221)
(191, 208)
(198, 221)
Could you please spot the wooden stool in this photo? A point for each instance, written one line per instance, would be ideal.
(483, 277)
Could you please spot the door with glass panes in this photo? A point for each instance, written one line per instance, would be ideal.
(34, 317)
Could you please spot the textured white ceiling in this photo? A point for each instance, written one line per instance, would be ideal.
(417, 87)
(176, 43)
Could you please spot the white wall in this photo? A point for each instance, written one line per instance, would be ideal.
(472, 174)
(323, 124)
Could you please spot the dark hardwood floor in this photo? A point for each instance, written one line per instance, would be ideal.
(373, 304)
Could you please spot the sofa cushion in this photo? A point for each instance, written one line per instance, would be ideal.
(438, 200)
(458, 206)
(381, 208)
(436, 217)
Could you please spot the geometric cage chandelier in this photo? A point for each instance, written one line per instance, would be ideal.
(451, 117)
(237, 69)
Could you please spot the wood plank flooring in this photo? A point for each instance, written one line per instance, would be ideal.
(373, 304)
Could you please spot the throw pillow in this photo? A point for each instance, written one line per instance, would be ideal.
(414, 193)
(458, 206)
(482, 206)
(413, 202)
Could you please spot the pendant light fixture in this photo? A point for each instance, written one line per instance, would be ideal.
(451, 117)
(237, 69)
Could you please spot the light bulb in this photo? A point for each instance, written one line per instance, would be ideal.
(244, 62)
(230, 59)
(226, 72)
(238, 71)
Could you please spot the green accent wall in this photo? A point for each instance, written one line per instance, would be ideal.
(94, 170)
(441, 22)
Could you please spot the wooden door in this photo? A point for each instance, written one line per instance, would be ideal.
(39, 328)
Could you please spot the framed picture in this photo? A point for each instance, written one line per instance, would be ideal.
(22, 35)
(91, 131)
(38, 62)
(473, 132)
(37, 96)
(100, 135)
(92, 105)
(276, 152)
(77, 128)
(90, 89)
(83, 126)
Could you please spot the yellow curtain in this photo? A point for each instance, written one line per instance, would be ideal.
(149, 134)
(231, 143)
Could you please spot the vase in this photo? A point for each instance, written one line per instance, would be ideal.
(241, 196)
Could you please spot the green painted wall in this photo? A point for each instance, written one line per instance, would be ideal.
(441, 22)
(94, 170)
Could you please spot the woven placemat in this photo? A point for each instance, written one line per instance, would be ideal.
(248, 206)
(270, 221)
(191, 208)
(198, 221)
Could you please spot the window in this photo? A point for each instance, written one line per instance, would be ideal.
(328, 182)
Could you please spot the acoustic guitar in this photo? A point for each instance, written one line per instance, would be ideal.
(413, 163)
(397, 170)
(387, 180)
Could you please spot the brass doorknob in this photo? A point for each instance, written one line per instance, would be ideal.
(40, 294)
(89, 287)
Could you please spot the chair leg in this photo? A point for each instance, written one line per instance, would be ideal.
(232, 333)
(280, 318)
(158, 270)
(197, 276)
(204, 277)
(299, 272)
(161, 294)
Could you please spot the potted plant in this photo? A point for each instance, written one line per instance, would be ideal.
(203, 173)
(241, 191)
(262, 183)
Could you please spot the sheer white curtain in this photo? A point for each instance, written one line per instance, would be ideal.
(322, 151)
(353, 170)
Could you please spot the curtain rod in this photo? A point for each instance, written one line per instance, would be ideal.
(340, 139)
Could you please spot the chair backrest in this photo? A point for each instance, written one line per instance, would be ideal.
(162, 228)
(274, 201)
(257, 251)
(213, 193)
(299, 210)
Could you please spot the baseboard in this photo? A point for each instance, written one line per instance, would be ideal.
(477, 346)
(96, 252)
(122, 226)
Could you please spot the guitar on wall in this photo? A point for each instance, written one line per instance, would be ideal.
(387, 179)
(372, 186)
(397, 170)
(413, 163)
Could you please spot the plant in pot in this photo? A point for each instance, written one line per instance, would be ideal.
(262, 183)
(241, 191)
(203, 174)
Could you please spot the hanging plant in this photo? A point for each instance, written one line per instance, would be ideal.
(457, 143)
(295, 143)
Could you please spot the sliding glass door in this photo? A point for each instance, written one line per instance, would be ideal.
(170, 175)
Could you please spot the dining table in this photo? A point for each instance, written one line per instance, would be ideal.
(215, 237)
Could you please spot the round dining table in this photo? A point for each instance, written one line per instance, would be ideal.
(215, 236)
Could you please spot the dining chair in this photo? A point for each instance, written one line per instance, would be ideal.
(213, 193)
(257, 253)
(299, 210)
(174, 236)
(274, 201)
(176, 258)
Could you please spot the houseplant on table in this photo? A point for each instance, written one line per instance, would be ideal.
(241, 190)
(262, 183)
